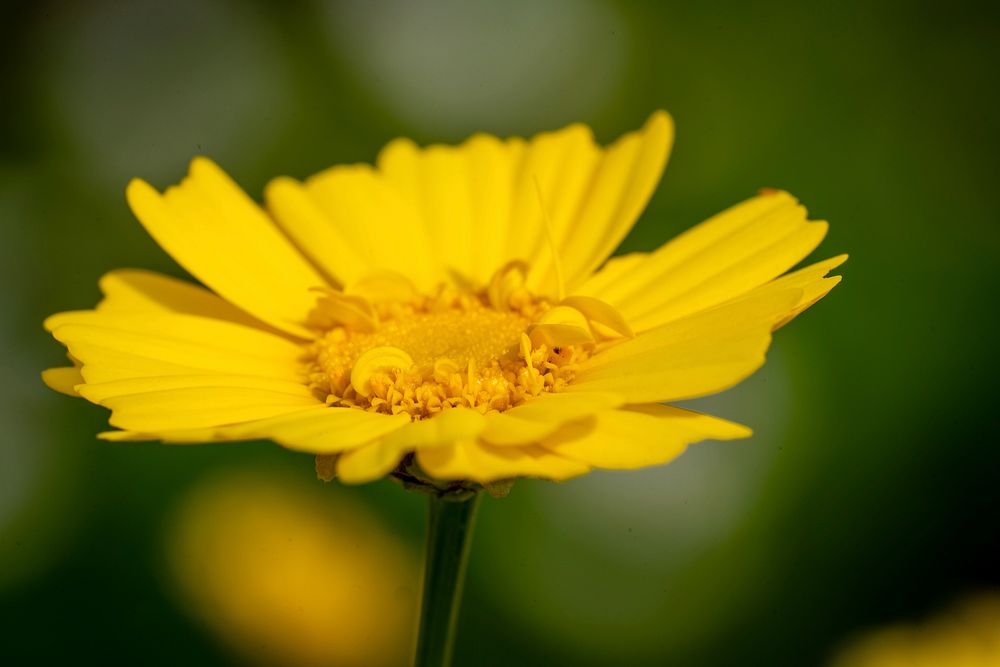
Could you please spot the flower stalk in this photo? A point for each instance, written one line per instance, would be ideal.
(449, 529)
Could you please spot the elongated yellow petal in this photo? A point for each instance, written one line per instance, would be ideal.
(482, 207)
(216, 232)
(615, 273)
(306, 223)
(490, 171)
(811, 280)
(192, 436)
(481, 462)
(210, 332)
(369, 219)
(638, 436)
(595, 310)
(63, 380)
(383, 286)
(435, 183)
(723, 258)
(328, 430)
(317, 429)
(554, 178)
(102, 391)
(564, 407)
(135, 290)
(530, 422)
(618, 190)
(113, 346)
(368, 463)
(335, 307)
(697, 355)
(200, 407)
(377, 459)
(505, 430)
(561, 326)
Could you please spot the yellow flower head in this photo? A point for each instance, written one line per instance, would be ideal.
(449, 313)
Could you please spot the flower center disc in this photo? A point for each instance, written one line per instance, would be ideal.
(439, 352)
(480, 335)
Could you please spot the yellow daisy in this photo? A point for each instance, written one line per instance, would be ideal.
(449, 313)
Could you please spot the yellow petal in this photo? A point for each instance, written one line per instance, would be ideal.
(216, 232)
(316, 429)
(490, 172)
(611, 275)
(600, 312)
(560, 326)
(723, 258)
(506, 283)
(368, 463)
(200, 407)
(351, 310)
(811, 280)
(638, 436)
(530, 422)
(694, 356)
(564, 315)
(434, 182)
(502, 429)
(378, 459)
(556, 174)
(464, 196)
(481, 205)
(329, 430)
(383, 286)
(115, 346)
(371, 219)
(308, 225)
(563, 407)
(559, 335)
(135, 290)
(102, 391)
(211, 332)
(179, 437)
(619, 187)
(63, 380)
(481, 462)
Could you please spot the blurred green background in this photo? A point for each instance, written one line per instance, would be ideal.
(870, 493)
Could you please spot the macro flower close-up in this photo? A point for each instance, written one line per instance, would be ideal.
(437, 333)
(449, 314)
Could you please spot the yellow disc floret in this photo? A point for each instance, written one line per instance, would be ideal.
(430, 353)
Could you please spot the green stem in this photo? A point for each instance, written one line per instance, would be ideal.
(449, 527)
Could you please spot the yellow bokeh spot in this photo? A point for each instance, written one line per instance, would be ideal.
(967, 635)
(288, 577)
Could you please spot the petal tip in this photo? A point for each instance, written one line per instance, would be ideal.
(280, 185)
(138, 192)
(66, 380)
(201, 164)
(660, 120)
